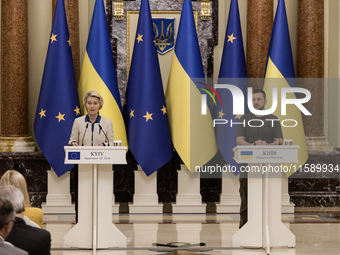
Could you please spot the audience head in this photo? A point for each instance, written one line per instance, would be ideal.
(16, 179)
(15, 196)
(7, 215)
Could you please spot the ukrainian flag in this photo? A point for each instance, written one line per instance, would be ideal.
(98, 72)
(246, 155)
(279, 74)
(192, 133)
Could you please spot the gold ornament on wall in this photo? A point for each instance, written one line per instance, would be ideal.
(118, 9)
(205, 10)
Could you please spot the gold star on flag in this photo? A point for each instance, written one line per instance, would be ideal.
(42, 113)
(231, 38)
(132, 113)
(53, 38)
(69, 42)
(238, 116)
(148, 116)
(77, 110)
(60, 117)
(220, 114)
(139, 38)
(163, 110)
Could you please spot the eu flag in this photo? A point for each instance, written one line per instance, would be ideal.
(146, 113)
(98, 72)
(280, 74)
(58, 103)
(192, 133)
(233, 71)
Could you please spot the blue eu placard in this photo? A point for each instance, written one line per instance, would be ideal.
(74, 155)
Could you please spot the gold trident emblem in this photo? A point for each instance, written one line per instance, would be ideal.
(161, 40)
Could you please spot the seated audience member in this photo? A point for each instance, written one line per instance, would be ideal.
(33, 216)
(7, 215)
(35, 241)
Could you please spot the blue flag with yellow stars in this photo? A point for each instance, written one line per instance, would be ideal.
(58, 103)
(233, 71)
(146, 114)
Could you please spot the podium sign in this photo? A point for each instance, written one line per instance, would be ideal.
(95, 155)
(266, 154)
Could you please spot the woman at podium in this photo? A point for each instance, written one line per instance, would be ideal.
(92, 129)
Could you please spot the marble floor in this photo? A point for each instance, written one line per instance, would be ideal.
(317, 231)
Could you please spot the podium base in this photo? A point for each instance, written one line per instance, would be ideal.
(288, 208)
(58, 209)
(199, 208)
(140, 208)
(80, 237)
(115, 208)
(222, 208)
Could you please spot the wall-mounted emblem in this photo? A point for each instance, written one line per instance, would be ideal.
(164, 30)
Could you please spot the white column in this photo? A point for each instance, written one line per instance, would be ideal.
(58, 199)
(230, 200)
(188, 199)
(145, 199)
(287, 206)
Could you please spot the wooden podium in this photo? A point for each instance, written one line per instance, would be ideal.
(95, 190)
(264, 227)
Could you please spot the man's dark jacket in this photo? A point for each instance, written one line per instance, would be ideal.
(35, 241)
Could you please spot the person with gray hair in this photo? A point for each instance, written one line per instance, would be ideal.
(92, 129)
(35, 241)
(7, 215)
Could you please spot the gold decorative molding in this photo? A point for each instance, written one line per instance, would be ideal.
(118, 9)
(128, 13)
(205, 10)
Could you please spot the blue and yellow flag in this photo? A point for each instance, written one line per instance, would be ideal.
(146, 113)
(192, 133)
(98, 72)
(279, 74)
(233, 71)
(58, 103)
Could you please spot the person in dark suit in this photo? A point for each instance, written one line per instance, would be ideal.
(35, 241)
(7, 215)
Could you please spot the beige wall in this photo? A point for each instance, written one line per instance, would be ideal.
(39, 29)
(332, 71)
(39, 12)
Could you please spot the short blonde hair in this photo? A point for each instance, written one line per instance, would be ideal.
(93, 94)
(16, 179)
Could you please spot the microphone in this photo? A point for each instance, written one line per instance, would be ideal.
(82, 142)
(108, 141)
